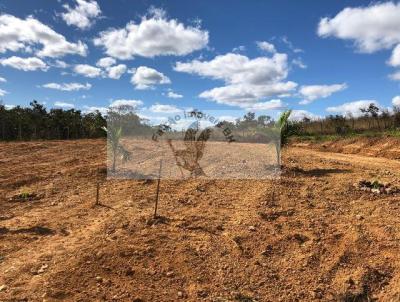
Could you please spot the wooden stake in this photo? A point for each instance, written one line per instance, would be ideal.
(98, 193)
(158, 190)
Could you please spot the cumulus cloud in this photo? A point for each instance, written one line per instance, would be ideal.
(155, 35)
(68, 86)
(235, 68)
(3, 80)
(174, 95)
(395, 58)
(352, 108)
(25, 64)
(115, 72)
(64, 105)
(3, 92)
(371, 28)
(123, 102)
(269, 105)
(60, 64)
(268, 47)
(246, 95)
(93, 109)
(88, 70)
(159, 108)
(82, 15)
(299, 63)
(22, 34)
(247, 81)
(312, 92)
(396, 101)
(146, 77)
(299, 115)
(395, 76)
(106, 62)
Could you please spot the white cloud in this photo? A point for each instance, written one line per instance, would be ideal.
(351, 107)
(60, 64)
(25, 64)
(21, 35)
(395, 76)
(123, 102)
(269, 105)
(146, 77)
(64, 105)
(290, 45)
(82, 14)
(371, 28)
(396, 101)
(106, 62)
(159, 108)
(395, 58)
(9, 107)
(299, 62)
(247, 80)
(268, 47)
(3, 80)
(88, 70)
(246, 95)
(240, 48)
(312, 92)
(92, 109)
(115, 72)
(3, 92)
(299, 115)
(153, 36)
(68, 86)
(174, 95)
(236, 69)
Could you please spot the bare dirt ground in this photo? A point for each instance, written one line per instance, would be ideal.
(309, 236)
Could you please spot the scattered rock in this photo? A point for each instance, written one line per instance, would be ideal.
(169, 274)
(252, 228)
(99, 279)
(42, 269)
(180, 294)
(376, 187)
(3, 287)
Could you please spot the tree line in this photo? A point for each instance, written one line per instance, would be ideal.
(36, 122)
(369, 119)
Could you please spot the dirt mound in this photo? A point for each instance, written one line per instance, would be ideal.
(387, 147)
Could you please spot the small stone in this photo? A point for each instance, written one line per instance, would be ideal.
(42, 269)
(180, 294)
(169, 274)
(99, 279)
(252, 228)
(3, 287)
(376, 191)
(359, 217)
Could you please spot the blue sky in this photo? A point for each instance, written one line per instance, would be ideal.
(216, 55)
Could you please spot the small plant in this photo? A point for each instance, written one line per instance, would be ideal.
(279, 133)
(24, 195)
(114, 135)
(283, 127)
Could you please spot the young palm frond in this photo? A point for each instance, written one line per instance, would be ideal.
(282, 126)
(114, 135)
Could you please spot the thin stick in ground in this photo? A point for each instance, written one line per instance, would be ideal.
(98, 194)
(158, 190)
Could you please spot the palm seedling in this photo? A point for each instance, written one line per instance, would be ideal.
(282, 127)
(114, 135)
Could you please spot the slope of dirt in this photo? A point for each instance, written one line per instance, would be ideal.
(308, 236)
(388, 147)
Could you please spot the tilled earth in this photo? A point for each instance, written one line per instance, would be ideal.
(309, 236)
